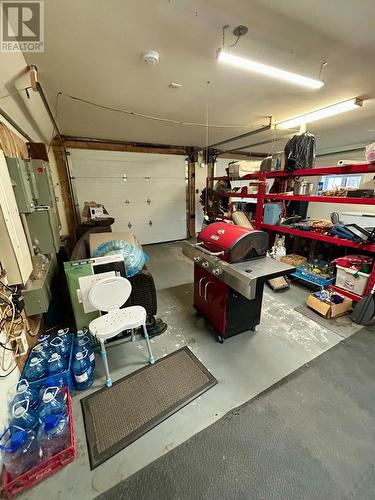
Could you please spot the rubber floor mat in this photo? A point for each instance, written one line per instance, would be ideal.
(115, 417)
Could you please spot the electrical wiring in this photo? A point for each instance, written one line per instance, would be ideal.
(8, 331)
(7, 287)
(148, 117)
(11, 371)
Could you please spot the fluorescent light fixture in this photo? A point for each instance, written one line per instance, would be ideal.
(335, 109)
(271, 71)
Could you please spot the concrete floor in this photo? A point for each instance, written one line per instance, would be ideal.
(244, 366)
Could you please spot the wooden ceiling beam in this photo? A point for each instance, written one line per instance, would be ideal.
(132, 147)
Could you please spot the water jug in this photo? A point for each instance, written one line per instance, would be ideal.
(79, 335)
(82, 370)
(64, 333)
(54, 435)
(35, 369)
(23, 416)
(19, 450)
(41, 351)
(86, 343)
(44, 339)
(24, 391)
(53, 403)
(61, 345)
(56, 364)
(51, 381)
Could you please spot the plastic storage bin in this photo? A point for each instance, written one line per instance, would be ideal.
(14, 486)
(352, 280)
(272, 213)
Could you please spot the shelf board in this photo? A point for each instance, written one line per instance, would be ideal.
(350, 295)
(322, 199)
(320, 237)
(317, 171)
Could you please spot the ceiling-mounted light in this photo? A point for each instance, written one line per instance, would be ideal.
(271, 71)
(335, 109)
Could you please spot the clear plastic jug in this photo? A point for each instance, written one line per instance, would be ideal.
(56, 364)
(24, 391)
(53, 403)
(35, 369)
(20, 450)
(54, 434)
(82, 370)
(23, 416)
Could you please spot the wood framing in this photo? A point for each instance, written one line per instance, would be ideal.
(67, 197)
(131, 147)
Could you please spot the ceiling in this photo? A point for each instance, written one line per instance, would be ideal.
(93, 51)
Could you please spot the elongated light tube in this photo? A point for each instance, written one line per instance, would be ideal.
(264, 69)
(335, 109)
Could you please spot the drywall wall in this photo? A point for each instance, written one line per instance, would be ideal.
(27, 110)
(323, 210)
(29, 114)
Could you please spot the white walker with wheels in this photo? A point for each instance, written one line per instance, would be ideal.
(109, 295)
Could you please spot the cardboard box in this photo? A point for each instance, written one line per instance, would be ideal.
(294, 260)
(329, 310)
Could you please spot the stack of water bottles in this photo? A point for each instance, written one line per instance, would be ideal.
(39, 426)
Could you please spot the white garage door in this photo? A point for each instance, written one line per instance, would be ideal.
(145, 193)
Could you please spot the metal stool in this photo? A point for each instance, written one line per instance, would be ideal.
(109, 295)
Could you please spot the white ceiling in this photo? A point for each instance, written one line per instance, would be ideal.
(93, 50)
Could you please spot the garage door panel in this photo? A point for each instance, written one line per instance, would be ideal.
(160, 213)
(117, 164)
(151, 199)
(155, 233)
(93, 190)
(157, 192)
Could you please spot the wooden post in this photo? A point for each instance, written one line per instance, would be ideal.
(68, 200)
(210, 174)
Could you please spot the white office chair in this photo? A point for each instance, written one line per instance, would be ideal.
(109, 295)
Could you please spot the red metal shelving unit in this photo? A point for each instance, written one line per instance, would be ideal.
(319, 237)
(261, 197)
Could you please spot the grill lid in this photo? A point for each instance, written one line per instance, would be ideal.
(238, 243)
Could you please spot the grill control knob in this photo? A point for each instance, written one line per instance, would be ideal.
(197, 258)
(217, 271)
(205, 264)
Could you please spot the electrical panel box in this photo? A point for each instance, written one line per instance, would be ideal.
(23, 184)
(41, 172)
(37, 293)
(44, 230)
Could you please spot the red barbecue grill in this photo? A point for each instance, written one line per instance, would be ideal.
(230, 268)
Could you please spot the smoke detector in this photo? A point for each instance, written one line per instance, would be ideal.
(151, 57)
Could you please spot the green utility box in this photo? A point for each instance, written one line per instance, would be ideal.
(81, 275)
(24, 186)
(44, 230)
(37, 293)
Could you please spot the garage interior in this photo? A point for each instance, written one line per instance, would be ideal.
(187, 253)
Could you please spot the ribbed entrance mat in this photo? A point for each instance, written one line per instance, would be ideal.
(116, 417)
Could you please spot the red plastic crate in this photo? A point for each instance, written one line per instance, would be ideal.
(14, 486)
